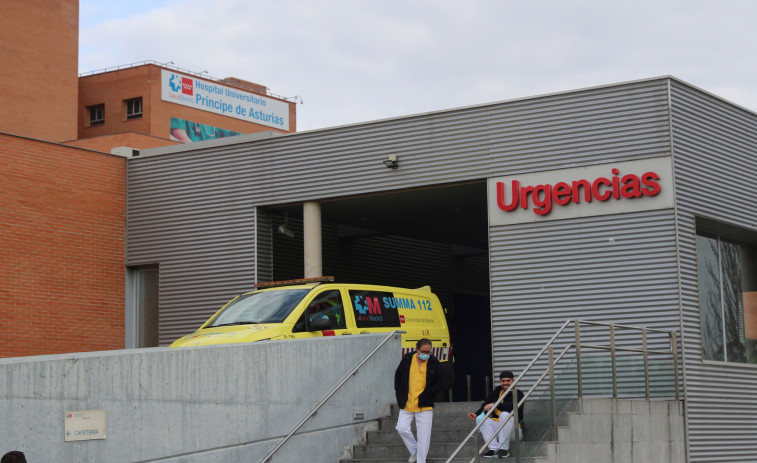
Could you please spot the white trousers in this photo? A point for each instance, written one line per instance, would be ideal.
(423, 420)
(502, 440)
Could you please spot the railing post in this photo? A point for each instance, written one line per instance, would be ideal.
(614, 367)
(674, 341)
(646, 361)
(467, 380)
(476, 445)
(516, 424)
(552, 387)
(578, 357)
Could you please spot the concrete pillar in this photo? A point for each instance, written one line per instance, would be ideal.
(311, 217)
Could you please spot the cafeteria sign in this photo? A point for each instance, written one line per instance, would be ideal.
(84, 425)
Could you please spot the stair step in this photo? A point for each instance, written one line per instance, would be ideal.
(443, 435)
(448, 422)
(450, 426)
(458, 458)
(437, 450)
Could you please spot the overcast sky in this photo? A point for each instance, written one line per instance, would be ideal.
(359, 60)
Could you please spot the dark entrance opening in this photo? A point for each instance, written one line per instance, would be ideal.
(432, 236)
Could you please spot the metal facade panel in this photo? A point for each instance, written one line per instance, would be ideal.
(193, 211)
(716, 167)
(450, 146)
(199, 240)
(613, 269)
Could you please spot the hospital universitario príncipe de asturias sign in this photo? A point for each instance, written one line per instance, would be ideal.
(220, 99)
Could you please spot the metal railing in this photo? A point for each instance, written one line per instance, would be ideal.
(577, 347)
(341, 383)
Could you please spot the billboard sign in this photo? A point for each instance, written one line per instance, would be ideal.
(221, 99)
(191, 131)
(600, 189)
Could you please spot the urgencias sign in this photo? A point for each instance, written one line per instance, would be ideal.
(600, 189)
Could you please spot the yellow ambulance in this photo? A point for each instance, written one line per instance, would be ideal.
(318, 307)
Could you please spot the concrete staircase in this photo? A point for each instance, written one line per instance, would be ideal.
(589, 431)
(620, 431)
(450, 426)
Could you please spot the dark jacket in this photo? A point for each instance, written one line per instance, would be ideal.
(434, 381)
(504, 407)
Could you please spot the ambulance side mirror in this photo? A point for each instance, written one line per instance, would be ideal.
(320, 324)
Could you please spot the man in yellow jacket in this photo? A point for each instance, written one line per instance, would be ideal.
(417, 380)
(500, 445)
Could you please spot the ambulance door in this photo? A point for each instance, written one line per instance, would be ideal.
(323, 316)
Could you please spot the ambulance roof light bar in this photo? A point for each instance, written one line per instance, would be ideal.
(299, 281)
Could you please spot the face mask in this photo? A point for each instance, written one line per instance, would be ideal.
(423, 357)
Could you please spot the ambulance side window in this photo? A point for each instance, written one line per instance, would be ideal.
(376, 309)
(327, 304)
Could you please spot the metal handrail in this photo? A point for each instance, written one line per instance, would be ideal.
(550, 371)
(330, 394)
(499, 400)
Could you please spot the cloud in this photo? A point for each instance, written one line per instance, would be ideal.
(356, 61)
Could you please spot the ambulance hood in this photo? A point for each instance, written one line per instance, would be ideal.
(229, 334)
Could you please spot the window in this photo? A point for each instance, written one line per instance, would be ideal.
(96, 114)
(133, 108)
(378, 309)
(727, 270)
(143, 313)
(259, 308)
(327, 305)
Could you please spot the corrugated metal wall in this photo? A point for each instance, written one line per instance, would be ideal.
(716, 167)
(202, 237)
(193, 212)
(613, 269)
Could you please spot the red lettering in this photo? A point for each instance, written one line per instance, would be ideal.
(650, 180)
(373, 306)
(542, 198)
(615, 184)
(501, 202)
(602, 189)
(524, 196)
(577, 185)
(595, 189)
(561, 193)
(630, 187)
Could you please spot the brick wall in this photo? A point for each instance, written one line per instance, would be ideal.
(39, 46)
(62, 219)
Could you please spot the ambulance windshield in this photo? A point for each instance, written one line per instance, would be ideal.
(260, 307)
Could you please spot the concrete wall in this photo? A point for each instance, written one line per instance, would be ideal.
(621, 431)
(229, 403)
